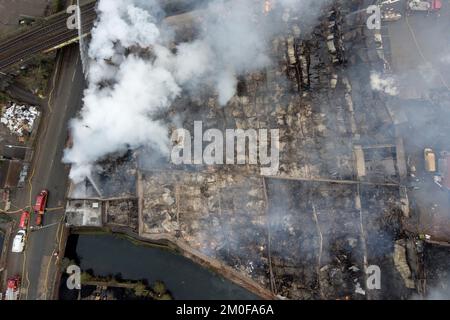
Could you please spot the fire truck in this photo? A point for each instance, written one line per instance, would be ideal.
(24, 220)
(39, 207)
(13, 289)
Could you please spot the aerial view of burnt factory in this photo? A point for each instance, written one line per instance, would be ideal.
(225, 150)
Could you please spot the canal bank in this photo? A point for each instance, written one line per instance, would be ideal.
(111, 255)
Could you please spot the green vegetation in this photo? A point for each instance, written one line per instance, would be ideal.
(86, 277)
(140, 290)
(136, 289)
(36, 76)
(56, 6)
(160, 290)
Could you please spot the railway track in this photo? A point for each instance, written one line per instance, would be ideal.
(43, 38)
(48, 26)
(37, 47)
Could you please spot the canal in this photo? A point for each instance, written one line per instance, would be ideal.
(109, 255)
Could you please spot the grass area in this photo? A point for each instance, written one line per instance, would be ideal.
(35, 77)
(56, 6)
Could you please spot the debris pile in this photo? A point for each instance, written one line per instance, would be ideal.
(122, 213)
(19, 119)
(218, 214)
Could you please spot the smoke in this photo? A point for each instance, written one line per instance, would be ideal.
(233, 41)
(386, 84)
(439, 291)
(135, 71)
(445, 59)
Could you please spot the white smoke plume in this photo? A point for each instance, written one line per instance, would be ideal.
(383, 84)
(126, 89)
(445, 59)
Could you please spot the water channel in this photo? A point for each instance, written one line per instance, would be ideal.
(109, 255)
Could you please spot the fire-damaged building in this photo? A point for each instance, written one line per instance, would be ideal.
(335, 209)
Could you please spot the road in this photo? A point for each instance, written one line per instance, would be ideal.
(38, 265)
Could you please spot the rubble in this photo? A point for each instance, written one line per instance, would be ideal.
(218, 214)
(122, 212)
(19, 119)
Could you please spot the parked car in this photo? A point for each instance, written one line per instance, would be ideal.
(19, 242)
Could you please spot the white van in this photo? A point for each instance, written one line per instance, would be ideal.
(19, 242)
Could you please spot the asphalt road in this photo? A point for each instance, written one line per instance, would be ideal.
(38, 264)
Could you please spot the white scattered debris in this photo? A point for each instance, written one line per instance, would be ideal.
(354, 268)
(19, 119)
(359, 289)
(386, 85)
(390, 16)
(438, 180)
